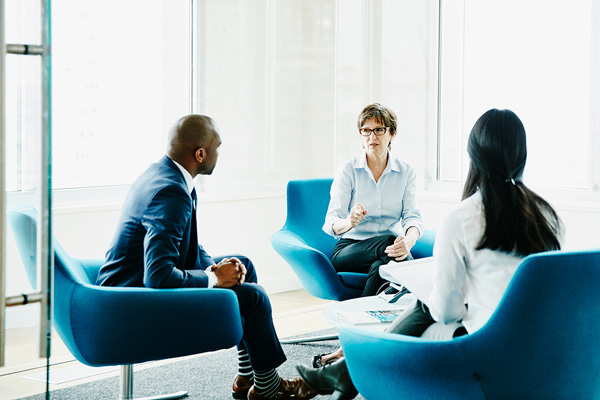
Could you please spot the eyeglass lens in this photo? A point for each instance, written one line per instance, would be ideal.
(378, 131)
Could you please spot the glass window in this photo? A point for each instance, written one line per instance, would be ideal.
(23, 96)
(266, 73)
(539, 59)
(287, 81)
(387, 53)
(120, 80)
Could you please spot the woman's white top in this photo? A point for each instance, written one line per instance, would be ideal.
(390, 202)
(464, 274)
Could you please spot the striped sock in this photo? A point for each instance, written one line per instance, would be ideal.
(244, 366)
(266, 382)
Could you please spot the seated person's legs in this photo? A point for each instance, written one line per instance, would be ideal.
(260, 352)
(358, 255)
(334, 377)
(260, 338)
(374, 280)
(413, 321)
(364, 256)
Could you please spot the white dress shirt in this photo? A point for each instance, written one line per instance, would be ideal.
(212, 277)
(390, 202)
(463, 274)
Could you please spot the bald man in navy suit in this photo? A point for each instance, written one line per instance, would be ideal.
(156, 246)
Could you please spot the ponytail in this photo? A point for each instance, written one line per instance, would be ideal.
(517, 219)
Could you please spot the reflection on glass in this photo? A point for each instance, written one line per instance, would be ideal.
(23, 121)
(120, 81)
(25, 345)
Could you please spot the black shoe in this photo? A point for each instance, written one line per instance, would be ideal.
(331, 379)
(318, 361)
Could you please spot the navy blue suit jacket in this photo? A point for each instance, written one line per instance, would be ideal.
(153, 235)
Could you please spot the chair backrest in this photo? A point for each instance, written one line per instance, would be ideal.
(307, 202)
(69, 273)
(23, 221)
(541, 343)
(126, 325)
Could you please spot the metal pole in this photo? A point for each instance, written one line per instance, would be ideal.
(2, 189)
(193, 54)
(439, 95)
(126, 382)
(45, 244)
(22, 299)
(25, 49)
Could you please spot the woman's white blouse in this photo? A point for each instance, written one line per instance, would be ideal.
(390, 202)
(464, 274)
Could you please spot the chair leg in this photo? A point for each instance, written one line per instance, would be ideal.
(309, 339)
(126, 387)
(126, 382)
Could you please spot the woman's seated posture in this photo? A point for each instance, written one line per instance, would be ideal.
(373, 211)
(479, 244)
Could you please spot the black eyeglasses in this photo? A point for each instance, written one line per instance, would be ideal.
(377, 131)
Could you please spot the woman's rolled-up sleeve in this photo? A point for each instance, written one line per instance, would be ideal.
(411, 214)
(341, 195)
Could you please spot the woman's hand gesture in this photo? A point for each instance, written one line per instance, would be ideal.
(357, 214)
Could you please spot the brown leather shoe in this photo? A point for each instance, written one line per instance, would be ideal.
(240, 387)
(290, 389)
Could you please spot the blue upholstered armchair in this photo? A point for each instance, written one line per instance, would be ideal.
(541, 343)
(306, 248)
(123, 326)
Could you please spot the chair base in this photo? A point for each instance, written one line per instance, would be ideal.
(126, 386)
(309, 339)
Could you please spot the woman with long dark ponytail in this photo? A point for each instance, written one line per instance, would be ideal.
(478, 246)
(517, 220)
(481, 242)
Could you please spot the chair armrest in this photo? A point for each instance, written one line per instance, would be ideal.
(91, 267)
(116, 325)
(424, 246)
(381, 363)
(313, 268)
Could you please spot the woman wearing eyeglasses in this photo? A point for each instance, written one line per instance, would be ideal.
(479, 244)
(373, 211)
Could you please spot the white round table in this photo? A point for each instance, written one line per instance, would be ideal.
(330, 314)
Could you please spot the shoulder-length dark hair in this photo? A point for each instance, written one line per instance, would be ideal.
(517, 220)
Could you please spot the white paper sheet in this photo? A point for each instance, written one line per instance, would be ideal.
(415, 275)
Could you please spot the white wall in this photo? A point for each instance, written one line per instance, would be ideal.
(240, 225)
(244, 225)
(581, 220)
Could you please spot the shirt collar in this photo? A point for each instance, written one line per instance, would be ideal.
(391, 165)
(189, 181)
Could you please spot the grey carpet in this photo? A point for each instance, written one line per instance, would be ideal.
(207, 377)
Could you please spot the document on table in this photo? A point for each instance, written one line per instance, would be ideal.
(415, 275)
(369, 316)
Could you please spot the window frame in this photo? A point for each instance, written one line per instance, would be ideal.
(568, 198)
